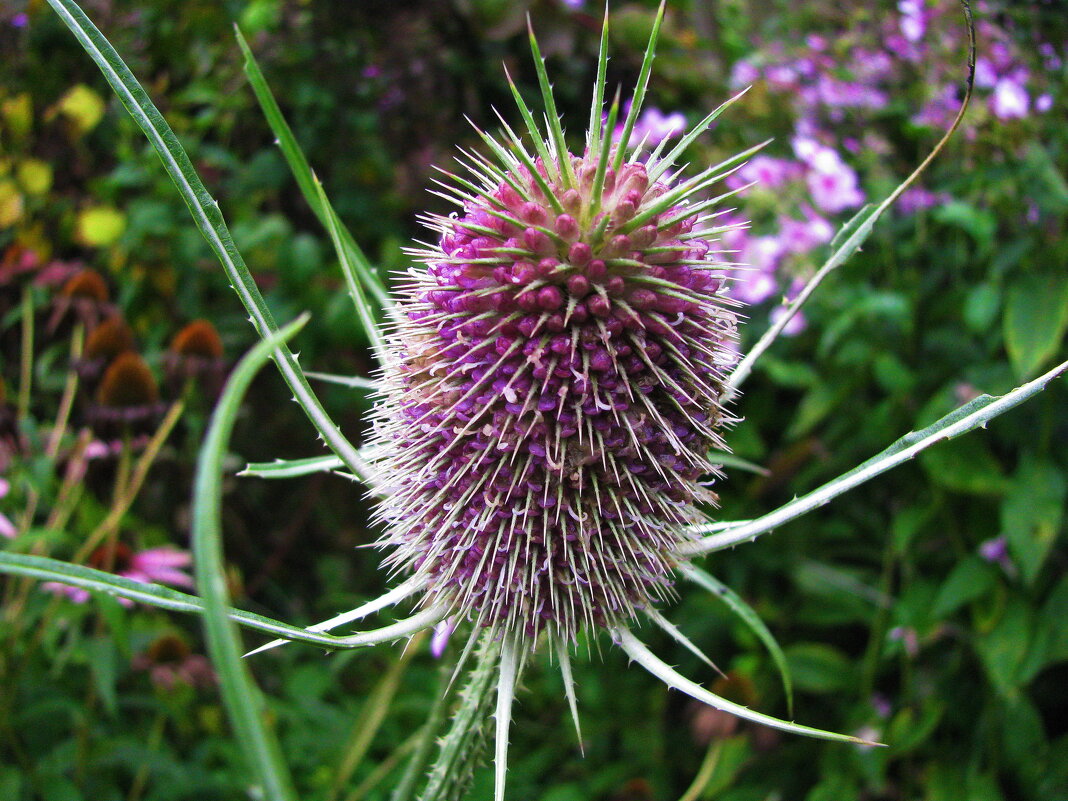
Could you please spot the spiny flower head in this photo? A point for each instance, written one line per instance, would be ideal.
(555, 383)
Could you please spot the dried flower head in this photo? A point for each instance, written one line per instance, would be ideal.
(196, 352)
(128, 393)
(85, 294)
(104, 343)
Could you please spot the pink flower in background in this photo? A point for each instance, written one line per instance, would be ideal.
(801, 236)
(152, 566)
(917, 199)
(831, 182)
(985, 74)
(7, 528)
(913, 19)
(797, 323)
(996, 551)
(1043, 103)
(654, 126)
(767, 171)
(940, 109)
(743, 74)
(1010, 100)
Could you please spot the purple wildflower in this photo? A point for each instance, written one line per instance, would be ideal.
(767, 171)
(7, 528)
(743, 74)
(985, 74)
(653, 127)
(918, 198)
(831, 182)
(801, 236)
(1010, 99)
(913, 19)
(996, 551)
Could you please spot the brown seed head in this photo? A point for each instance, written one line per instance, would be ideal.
(108, 340)
(199, 339)
(88, 284)
(128, 382)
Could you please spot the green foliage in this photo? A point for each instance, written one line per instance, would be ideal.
(926, 609)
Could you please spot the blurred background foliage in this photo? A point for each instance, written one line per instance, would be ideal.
(927, 609)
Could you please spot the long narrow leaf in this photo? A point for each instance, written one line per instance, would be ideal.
(205, 212)
(972, 415)
(751, 619)
(364, 311)
(292, 468)
(302, 172)
(638, 651)
(48, 569)
(639, 89)
(244, 703)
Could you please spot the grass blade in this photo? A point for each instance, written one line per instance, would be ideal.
(205, 213)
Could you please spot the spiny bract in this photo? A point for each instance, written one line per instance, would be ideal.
(555, 381)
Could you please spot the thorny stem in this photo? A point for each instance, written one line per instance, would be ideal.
(988, 408)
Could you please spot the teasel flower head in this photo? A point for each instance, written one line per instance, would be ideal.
(553, 387)
(556, 381)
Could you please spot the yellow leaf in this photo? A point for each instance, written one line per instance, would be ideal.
(83, 107)
(34, 176)
(10, 204)
(99, 226)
